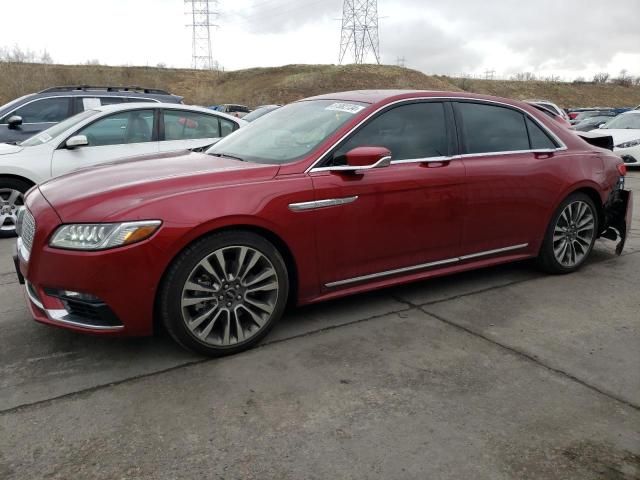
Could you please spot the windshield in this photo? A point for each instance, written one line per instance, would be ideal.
(289, 133)
(626, 121)
(52, 132)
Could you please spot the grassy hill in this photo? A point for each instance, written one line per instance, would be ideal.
(258, 86)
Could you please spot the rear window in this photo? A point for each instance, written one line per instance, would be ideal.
(489, 128)
(539, 139)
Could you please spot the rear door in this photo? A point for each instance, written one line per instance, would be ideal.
(119, 135)
(398, 219)
(183, 130)
(508, 158)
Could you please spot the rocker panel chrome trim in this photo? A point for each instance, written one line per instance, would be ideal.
(422, 266)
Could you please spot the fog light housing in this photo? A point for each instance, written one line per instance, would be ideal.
(72, 295)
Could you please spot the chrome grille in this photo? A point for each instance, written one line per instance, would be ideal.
(27, 229)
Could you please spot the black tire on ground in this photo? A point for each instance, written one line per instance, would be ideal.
(173, 315)
(7, 229)
(547, 260)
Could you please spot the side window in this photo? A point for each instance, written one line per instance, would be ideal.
(124, 127)
(47, 110)
(226, 127)
(489, 128)
(417, 130)
(539, 139)
(180, 125)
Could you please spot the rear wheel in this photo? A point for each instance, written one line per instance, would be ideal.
(570, 236)
(224, 293)
(12, 193)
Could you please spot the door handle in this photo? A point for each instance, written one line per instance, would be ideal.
(436, 164)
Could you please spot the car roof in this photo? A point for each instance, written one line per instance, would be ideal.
(388, 96)
(120, 107)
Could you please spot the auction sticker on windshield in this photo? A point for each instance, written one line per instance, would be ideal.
(345, 107)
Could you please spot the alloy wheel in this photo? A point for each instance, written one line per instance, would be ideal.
(229, 296)
(11, 201)
(574, 234)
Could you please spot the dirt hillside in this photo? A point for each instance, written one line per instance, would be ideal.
(258, 86)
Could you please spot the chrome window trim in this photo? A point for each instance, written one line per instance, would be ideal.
(422, 266)
(562, 146)
(315, 204)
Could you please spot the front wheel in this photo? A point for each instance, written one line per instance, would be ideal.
(12, 193)
(570, 235)
(224, 293)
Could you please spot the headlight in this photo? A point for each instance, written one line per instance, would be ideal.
(100, 236)
(632, 143)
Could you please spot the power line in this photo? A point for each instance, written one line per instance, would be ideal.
(202, 15)
(360, 30)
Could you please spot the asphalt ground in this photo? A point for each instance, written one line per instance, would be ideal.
(501, 373)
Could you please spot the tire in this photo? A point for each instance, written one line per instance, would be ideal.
(12, 192)
(212, 315)
(570, 236)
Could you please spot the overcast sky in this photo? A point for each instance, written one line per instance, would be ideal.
(569, 38)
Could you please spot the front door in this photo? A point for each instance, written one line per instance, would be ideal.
(37, 115)
(403, 218)
(120, 135)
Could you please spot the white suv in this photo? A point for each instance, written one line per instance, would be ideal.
(101, 135)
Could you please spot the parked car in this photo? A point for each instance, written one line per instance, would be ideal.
(234, 110)
(101, 135)
(551, 113)
(581, 116)
(325, 197)
(591, 123)
(260, 112)
(625, 130)
(574, 112)
(551, 106)
(24, 117)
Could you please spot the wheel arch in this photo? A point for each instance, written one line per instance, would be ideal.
(277, 241)
(593, 194)
(17, 177)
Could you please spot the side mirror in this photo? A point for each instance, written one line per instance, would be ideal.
(365, 158)
(14, 121)
(77, 141)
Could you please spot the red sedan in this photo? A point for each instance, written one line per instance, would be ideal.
(325, 197)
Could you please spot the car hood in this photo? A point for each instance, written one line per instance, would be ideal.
(619, 135)
(108, 191)
(7, 148)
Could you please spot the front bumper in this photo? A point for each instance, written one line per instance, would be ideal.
(630, 156)
(117, 287)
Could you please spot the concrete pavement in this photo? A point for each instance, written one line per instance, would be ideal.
(500, 373)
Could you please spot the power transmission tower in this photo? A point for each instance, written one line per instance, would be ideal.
(202, 13)
(489, 74)
(401, 62)
(360, 30)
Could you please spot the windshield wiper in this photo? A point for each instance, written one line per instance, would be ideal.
(227, 156)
